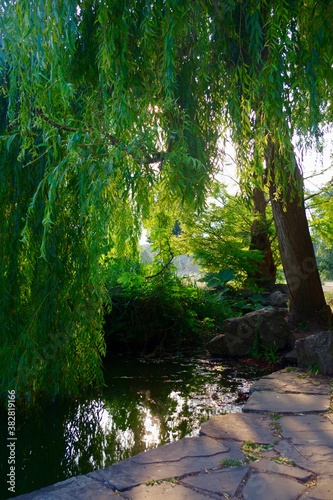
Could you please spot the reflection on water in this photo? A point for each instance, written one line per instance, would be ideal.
(145, 404)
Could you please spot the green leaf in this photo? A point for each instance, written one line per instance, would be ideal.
(10, 141)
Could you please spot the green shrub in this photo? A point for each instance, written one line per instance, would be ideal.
(162, 311)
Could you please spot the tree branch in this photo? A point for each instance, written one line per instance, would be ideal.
(158, 157)
(316, 174)
(321, 191)
(54, 124)
(163, 268)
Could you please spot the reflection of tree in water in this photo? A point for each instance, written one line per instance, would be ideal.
(179, 413)
(84, 437)
(142, 412)
(100, 433)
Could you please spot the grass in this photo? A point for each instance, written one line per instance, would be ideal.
(313, 368)
(328, 296)
(285, 461)
(259, 351)
(292, 369)
(230, 462)
(270, 354)
(252, 450)
(275, 418)
(170, 480)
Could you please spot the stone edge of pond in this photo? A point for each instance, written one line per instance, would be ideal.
(280, 446)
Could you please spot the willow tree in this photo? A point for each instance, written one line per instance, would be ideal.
(276, 68)
(89, 127)
(105, 100)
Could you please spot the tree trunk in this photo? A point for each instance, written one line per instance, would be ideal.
(306, 294)
(265, 273)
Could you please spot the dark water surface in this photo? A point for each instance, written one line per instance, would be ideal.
(147, 403)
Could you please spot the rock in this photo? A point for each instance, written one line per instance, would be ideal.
(292, 382)
(278, 299)
(264, 485)
(225, 482)
(240, 427)
(291, 357)
(274, 402)
(279, 288)
(217, 345)
(316, 352)
(239, 334)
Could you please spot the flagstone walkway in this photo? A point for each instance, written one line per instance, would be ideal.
(279, 448)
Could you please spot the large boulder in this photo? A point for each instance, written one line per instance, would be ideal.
(316, 352)
(268, 325)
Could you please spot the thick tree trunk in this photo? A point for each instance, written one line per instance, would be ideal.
(307, 299)
(265, 273)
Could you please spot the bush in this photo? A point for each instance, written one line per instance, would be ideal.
(164, 311)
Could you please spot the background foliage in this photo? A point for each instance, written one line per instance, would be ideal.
(168, 312)
(321, 209)
(220, 237)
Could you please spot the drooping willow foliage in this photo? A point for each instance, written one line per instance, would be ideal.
(108, 106)
(84, 142)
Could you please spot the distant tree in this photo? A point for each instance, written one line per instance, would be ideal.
(177, 229)
(221, 237)
(321, 209)
(264, 274)
(324, 256)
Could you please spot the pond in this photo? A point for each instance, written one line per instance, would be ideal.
(146, 403)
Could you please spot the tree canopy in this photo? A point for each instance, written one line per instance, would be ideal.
(110, 106)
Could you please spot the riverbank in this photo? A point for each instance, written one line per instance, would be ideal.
(280, 447)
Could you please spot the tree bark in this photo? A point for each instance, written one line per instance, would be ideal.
(307, 300)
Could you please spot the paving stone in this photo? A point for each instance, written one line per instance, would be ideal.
(288, 470)
(269, 454)
(79, 487)
(271, 487)
(318, 459)
(130, 473)
(269, 401)
(187, 447)
(307, 429)
(241, 427)
(315, 453)
(221, 481)
(322, 491)
(166, 491)
(285, 381)
(289, 451)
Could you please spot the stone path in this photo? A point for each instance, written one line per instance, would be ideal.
(279, 448)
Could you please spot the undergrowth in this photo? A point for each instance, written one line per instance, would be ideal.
(164, 311)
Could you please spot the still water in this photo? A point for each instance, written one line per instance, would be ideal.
(146, 403)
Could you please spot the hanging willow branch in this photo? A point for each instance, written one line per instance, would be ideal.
(158, 157)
